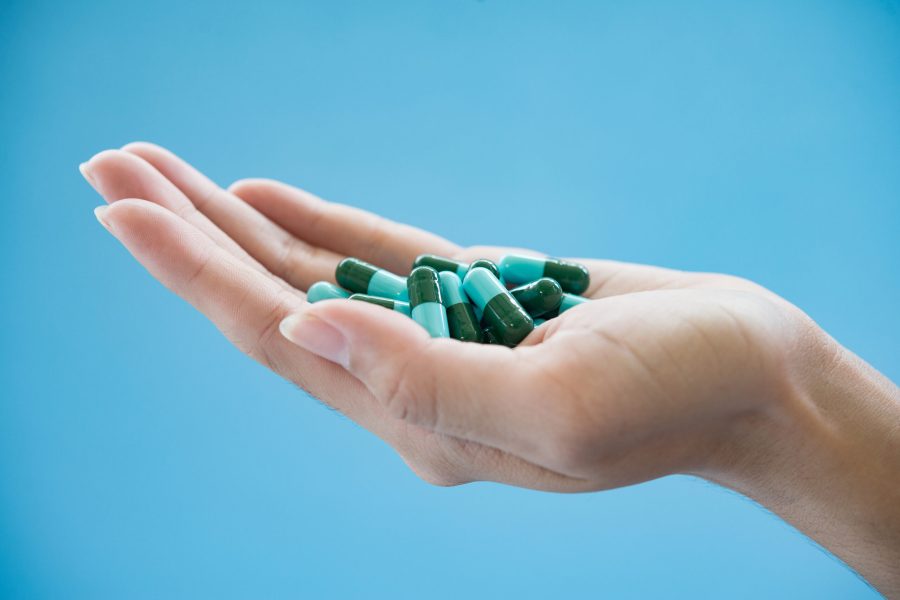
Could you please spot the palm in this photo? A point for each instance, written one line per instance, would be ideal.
(244, 257)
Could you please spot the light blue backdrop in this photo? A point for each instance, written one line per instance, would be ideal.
(141, 456)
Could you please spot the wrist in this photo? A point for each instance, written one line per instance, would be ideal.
(824, 454)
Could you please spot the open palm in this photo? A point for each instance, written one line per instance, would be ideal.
(656, 376)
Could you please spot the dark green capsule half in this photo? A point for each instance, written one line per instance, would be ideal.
(463, 324)
(507, 320)
(424, 286)
(354, 275)
(574, 278)
(486, 264)
(489, 337)
(539, 297)
(441, 263)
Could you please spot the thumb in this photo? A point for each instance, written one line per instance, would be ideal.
(478, 392)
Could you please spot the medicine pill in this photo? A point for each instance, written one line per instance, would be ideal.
(425, 301)
(486, 264)
(539, 297)
(501, 313)
(397, 305)
(362, 278)
(518, 269)
(460, 313)
(322, 290)
(441, 264)
(468, 302)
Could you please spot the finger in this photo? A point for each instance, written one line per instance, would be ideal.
(117, 175)
(299, 263)
(343, 229)
(487, 394)
(245, 305)
(608, 277)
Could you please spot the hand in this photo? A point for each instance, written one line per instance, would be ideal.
(665, 372)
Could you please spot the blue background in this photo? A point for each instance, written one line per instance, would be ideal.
(142, 456)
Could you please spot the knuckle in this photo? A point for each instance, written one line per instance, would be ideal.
(410, 394)
(198, 273)
(260, 348)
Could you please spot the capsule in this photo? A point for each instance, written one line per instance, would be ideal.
(489, 337)
(517, 269)
(568, 301)
(322, 290)
(508, 321)
(441, 264)
(398, 305)
(539, 297)
(362, 278)
(539, 322)
(486, 264)
(461, 317)
(425, 304)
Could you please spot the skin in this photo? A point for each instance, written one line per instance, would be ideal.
(665, 372)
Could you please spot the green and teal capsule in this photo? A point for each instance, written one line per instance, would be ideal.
(398, 305)
(539, 297)
(568, 301)
(486, 264)
(322, 290)
(508, 321)
(425, 301)
(517, 269)
(460, 312)
(441, 264)
(362, 278)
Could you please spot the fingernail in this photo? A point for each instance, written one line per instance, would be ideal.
(85, 169)
(100, 213)
(315, 335)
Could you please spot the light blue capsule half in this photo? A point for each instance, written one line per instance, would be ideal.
(571, 301)
(322, 290)
(481, 285)
(451, 288)
(433, 317)
(517, 269)
(387, 285)
(401, 307)
(461, 271)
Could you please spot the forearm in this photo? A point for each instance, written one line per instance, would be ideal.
(826, 457)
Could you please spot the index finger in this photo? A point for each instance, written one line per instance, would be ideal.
(343, 229)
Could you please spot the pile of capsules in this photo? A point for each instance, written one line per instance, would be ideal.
(468, 302)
